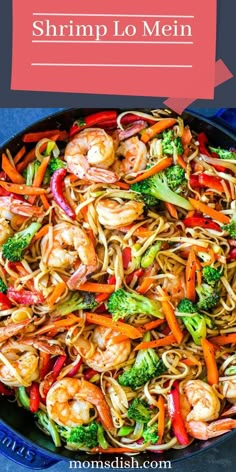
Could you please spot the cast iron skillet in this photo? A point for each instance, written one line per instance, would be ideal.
(20, 439)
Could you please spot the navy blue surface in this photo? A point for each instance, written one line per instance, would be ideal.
(223, 457)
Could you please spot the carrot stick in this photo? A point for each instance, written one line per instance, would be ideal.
(152, 325)
(157, 128)
(181, 162)
(39, 176)
(57, 292)
(118, 339)
(102, 297)
(143, 233)
(166, 341)
(31, 155)
(190, 276)
(35, 137)
(97, 288)
(161, 165)
(211, 253)
(124, 328)
(214, 214)
(11, 171)
(19, 155)
(210, 361)
(186, 136)
(198, 272)
(224, 339)
(189, 362)
(22, 189)
(172, 210)
(45, 202)
(41, 233)
(172, 321)
(161, 418)
(66, 322)
(145, 285)
(190, 214)
(122, 185)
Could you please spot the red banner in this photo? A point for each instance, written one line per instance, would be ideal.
(125, 48)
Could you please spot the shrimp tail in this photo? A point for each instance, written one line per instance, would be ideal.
(203, 431)
(80, 276)
(7, 332)
(102, 175)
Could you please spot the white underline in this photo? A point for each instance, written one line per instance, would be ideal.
(112, 65)
(109, 42)
(113, 15)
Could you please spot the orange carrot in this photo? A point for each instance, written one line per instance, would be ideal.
(145, 285)
(22, 189)
(45, 202)
(152, 325)
(97, 288)
(11, 171)
(172, 210)
(91, 236)
(118, 339)
(212, 255)
(70, 320)
(143, 233)
(157, 128)
(39, 176)
(124, 328)
(189, 362)
(186, 136)
(166, 341)
(35, 137)
(190, 276)
(41, 233)
(122, 185)
(161, 418)
(214, 214)
(198, 272)
(31, 155)
(181, 162)
(172, 320)
(101, 297)
(19, 155)
(190, 214)
(224, 339)
(161, 165)
(210, 361)
(57, 292)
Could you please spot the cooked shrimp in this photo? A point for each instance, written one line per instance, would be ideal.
(70, 402)
(5, 231)
(90, 154)
(12, 329)
(199, 401)
(229, 390)
(134, 152)
(106, 354)
(69, 243)
(10, 206)
(204, 431)
(17, 366)
(113, 214)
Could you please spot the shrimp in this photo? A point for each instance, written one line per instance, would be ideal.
(134, 152)
(229, 390)
(112, 214)
(17, 366)
(10, 206)
(204, 431)
(89, 155)
(71, 401)
(69, 243)
(5, 231)
(107, 354)
(12, 329)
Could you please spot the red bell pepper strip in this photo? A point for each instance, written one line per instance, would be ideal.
(89, 373)
(206, 181)
(126, 257)
(25, 297)
(111, 280)
(232, 255)
(6, 391)
(177, 421)
(137, 273)
(57, 181)
(46, 364)
(34, 397)
(203, 141)
(75, 369)
(102, 297)
(194, 221)
(58, 365)
(5, 303)
(91, 120)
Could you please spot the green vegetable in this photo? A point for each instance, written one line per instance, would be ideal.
(32, 169)
(150, 255)
(176, 178)
(122, 304)
(101, 438)
(134, 253)
(209, 297)
(23, 397)
(82, 436)
(168, 143)
(230, 370)
(3, 287)
(77, 301)
(54, 164)
(211, 275)
(48, 425)
(157, 186)
(125, 430)
(150, 434)
(224, 153)
(14, 248)
(231, 227)
(195, 324)
(139, 411)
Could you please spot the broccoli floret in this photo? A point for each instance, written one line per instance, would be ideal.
(224, 153)
(150, 434)
(150, 255)
(54, 164)
(150, 201)
(168, 139)
(122, 304)
(157, 186)
(78, 301)
(49, 426)
(208, 297)
(231, 227)
(196, 324)
(139, 411)
(176, 178)
(3, 287)
(14, 248)
(147, 365)
(186, 306)
(211, 275)
(82, 436)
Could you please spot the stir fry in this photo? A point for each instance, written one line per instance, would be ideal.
(117, 282)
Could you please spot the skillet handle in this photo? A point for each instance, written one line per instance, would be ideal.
(16, 449)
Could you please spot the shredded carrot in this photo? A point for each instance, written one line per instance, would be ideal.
(70, 320)
(161, 165)
(157, 128)
(122, 185)
(57, 292)
(143, 233)
(214, 214)
(210, 361)
(45, 202)
(161, 418)
(181, 162)
(35, 137)
(91, 236)
(97, 288)
(124, 328)
(39, 176)
(189, 362)
(19, 155)
(210, 261)
(118, 339)
(166, 341)
(152, 325)
(172, 320)
(172, 210)
(224, 339)
(145, 285)
(18, 220)
(11, 171)
(190, 276)
(41, 233)
(190, 214)
(101, 297)
(198, 272)
(30, 156)
(186, 136)
(22, 189)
